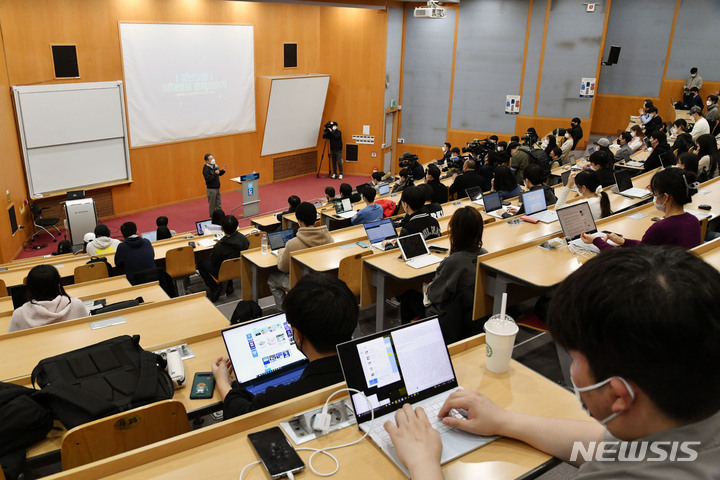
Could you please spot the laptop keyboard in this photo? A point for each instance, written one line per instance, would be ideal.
(423, 261)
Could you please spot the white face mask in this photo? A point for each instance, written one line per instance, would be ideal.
(544, 144)
(499, 149)
(660, 207)
(567, 135)
(594, 386)
(632, 134)
(444, 149)
(212, 162)
(693, 75)
(673, 130)
(334, 127)
(708, 103)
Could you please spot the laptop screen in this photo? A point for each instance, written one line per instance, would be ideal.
(279, 239)
(261, 347)
(152, 236)
(474, 193)
(407, 363)
(623, 180)
(591, 150)
(576, 219)
(412, 246)
(380, 230)
(534, 201)
(666, 160)
(492, 201)
(383, 189)
(565, 176)
(201, 225)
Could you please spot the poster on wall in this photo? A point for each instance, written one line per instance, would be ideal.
(587, 88)
(512, 104)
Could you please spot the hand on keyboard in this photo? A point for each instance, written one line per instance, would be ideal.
(484, 417)
(416, 442)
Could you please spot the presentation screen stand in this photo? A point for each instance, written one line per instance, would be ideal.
(80, 218)
(251, 194)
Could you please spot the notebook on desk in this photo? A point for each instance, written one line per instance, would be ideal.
(407, 364)
(278, 240)
(378, 232)
(263, 353)
(575, 220)
(625, 186)
(536, 206)
(344, 208)
(415, 252)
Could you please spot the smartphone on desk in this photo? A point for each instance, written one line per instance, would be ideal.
(203, 385)
(275, 452)
(437, 248)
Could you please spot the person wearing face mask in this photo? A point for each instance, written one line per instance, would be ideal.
(711, 114)
(567, 145)
(644, 117)
(679, 127)
(548, 143)
(654, 122)
(623, 153)
(212, 173)
(600, 164)
(672, 188)
(587, 185)
(336, 144)
(322, 312)
(638, 138)
(701, 126)
(446, 153)
(659, 145)
(694, 80)
(576, 132)
(640, 326)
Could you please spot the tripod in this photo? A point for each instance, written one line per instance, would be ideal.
(325, 147)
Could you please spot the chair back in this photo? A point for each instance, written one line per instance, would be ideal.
(36, 210)
(3, 289)
(350, 269)
(180, 262)
(91, 271)
(255, 239)
(229, 269)
(123, 432)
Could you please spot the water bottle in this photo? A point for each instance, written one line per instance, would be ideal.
(264, 244)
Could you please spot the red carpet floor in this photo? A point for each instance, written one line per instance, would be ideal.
(182, 216)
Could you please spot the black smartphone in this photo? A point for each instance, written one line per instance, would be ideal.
(192, 244)
(276, 453)
(203, 385)
(437, 248)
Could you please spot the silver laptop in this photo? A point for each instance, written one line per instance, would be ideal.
(383, 189)
(626, 188)
(575, 220)
(344, 208)
(493, 205)
(407, 364)
(415, 252)
(475, 194)
(378, 232)
(278, 240)
(536, 206)
(152, 236)
(263, 353)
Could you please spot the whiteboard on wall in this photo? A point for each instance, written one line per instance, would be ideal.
(73, 136)
(294, 115)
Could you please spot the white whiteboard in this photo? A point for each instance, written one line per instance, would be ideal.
(72, 135)
(294, 117)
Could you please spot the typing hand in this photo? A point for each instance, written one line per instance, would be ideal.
(484, 417)
(615, 238)
(417, 444)
(589, 238)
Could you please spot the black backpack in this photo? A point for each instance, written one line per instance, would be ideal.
(540, 158)
(244, 311)
(100, 380)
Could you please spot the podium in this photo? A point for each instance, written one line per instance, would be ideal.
(80, 218)
(251, 194)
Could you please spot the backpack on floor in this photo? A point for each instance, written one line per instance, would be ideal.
(100, 380)
(245, 310)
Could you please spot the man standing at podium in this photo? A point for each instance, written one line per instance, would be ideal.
(211, 173)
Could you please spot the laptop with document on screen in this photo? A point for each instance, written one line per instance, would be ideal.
(278, 240)
(415, 252)
(407, 364)
(493, 205)
(378, 232)
(625, 186)
(263, 353)
(575, 220)
(536, 206)
(344, 208)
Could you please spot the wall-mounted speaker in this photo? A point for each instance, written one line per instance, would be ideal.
(65, 61)
(290, 59)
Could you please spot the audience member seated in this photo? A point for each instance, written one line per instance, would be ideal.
(689, 162)
(679, 126)
(455, 274)
(162, 221)
(47, 301)
(519, 159)
(416, 220)
(505, 183)
(638, 138)
(672, 188)
(655, 121)
(87, 238)
(440, 192)
(134, 253)
(163, 233)
(230, 246)
(534, 181)
(346, 191)
(217, 216)
(446, 153)
(576, 132)
(454, 159)
(329, 195)
(64, 246)
(372, 212)
(308, 235)
(434, 209)
(659, 145)
(468, 178)
(644, 116)
(691, 99)
(556, 155)
(603, 145)
(322, 312)
(619, 315)
(404, 181)
(711, 114)
(587, 185)
(623, 153)
(701, 126)
(548, 143)
(567, 144)
(709, 156)
(599, 163)
(293, 202)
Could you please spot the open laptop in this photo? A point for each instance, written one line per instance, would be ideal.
(278, 240)
(407, 364)
(415, 252)
(493, 205)
(575, 220)
(383, 188)
(475, 194)
(536, 206)
(625, 185)
(667, 160)
(152, 236)
(344, 208)
(378, 232)
(263, 353)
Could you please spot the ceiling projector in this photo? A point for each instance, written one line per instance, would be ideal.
(433, 10)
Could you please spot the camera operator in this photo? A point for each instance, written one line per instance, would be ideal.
(335, 136)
